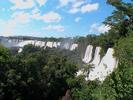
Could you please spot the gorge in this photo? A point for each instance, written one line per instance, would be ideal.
(101, 67)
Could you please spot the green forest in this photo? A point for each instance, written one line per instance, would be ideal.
(50, 74)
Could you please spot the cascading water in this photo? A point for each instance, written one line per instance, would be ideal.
(43, 44)
(88, 54)
(96, 59)
(20, 50)
(49, 44)
(58, 44)
(73, 47)
(22, 44)
(55, 45)
(106, 67)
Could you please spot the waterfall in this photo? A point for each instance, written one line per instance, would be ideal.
(73, 47)
(55, 44)
(101, 68)
(96, 59)
(20, 50)
(58, 44)
(106, 67)
(39, 43)
(88, 54)
(43, 44)
(22, 44)
(49, 44)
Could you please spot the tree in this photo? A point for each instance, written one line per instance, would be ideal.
(35, 74)
(120, 82)
(121, 18)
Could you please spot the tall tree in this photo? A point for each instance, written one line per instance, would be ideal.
(121, 18)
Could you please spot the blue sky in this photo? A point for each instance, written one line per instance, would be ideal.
(53, 18)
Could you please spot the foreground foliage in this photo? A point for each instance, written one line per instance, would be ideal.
(34, 74)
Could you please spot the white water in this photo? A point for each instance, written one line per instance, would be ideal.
(26, 42)
(43, 44)
(106, 67)
(73, 47)
(96, 59)
(20, 50)
(22, 44)
(55, 45)
(39, 43)
(49, 44)
(58, 44)
(88, 54)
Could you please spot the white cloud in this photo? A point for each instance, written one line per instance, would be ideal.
(74, 10)
(17, 19)
(41, 2)
(58, 28)
(80, 6)
(6, 28)
(78, 3)
(26, 4)
(104, 28)
(77, 19)
(21, 17)
(89, 7)
(76, 6)
(99, 28)
(35, 10)
(75, 3)
(22, 4)
(35, 14)
(64, 2)
(51, 17)
(24, 17)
